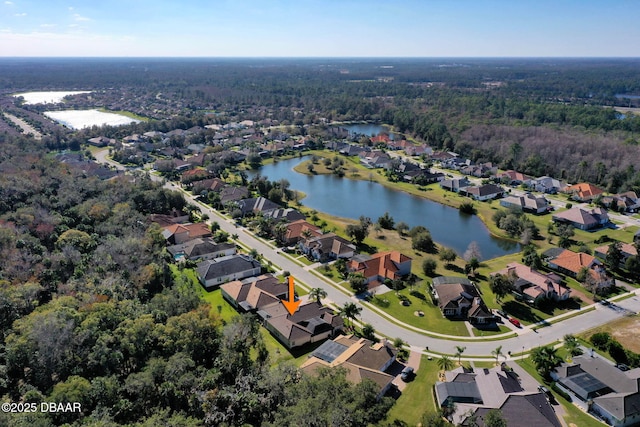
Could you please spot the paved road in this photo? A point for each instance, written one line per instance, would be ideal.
(526, 339)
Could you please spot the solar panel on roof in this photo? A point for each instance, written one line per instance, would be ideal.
(329, 351)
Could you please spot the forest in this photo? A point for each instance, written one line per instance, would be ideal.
(90, 312)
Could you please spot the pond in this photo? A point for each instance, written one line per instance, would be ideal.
(78, 119)
(368, 129)
(350, 198)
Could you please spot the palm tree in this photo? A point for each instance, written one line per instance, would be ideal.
(459, 351)
(445, 364)
(545, 359)
(572, 345)
(318, 294)
(350, 311)
(497, 353)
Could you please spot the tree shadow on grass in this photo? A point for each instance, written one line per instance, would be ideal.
(521, 311)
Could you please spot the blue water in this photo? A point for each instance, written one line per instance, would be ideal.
(351, 198)
(368, 129)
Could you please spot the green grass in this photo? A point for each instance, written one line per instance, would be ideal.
(489, 332)
(574, 415)
(417, 398)
(433, 320)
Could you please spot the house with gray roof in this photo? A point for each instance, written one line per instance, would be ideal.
(327, 247)
(527, 203)
(476, 391)
(597, 386)
(201, 249)
(214, 272)
(312, 322)
(584, 219)
(253, 293)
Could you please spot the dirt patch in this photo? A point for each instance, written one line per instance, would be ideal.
(626, 331)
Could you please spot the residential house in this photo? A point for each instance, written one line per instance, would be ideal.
(176, 234)
(173, 217)
(233, 194)
(583, 192)
(483, 192)
(101, 141)
(327, 247)
(214, 184)
(298, 230)
(483, 170)
(312, 322)
(527, 203)
(256, 205)
(378, 267)
(570, 263)
(459, 298)
(359, 357)
(201, 249)
(214, 272)
(189, 176)
(546, 184)
(533, 286)
(623, 202)
(474, 392)
(353, 150)
(423, 176)
(284, 214)
(597, 386)
(455, 163)
(253, 293)
(627, 249)
(584, 219)
(455, 184)
(375, 159)
(512, 177)
(418, 150)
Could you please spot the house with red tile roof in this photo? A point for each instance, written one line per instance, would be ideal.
(298, 230)
(533, 285)
(512, 177)
(570, 263)
(378, 267)
(583, 192)
(176, 234)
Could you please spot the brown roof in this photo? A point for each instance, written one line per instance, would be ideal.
(199, 229)
(573, 261)
(296, 229)
(310, 319)
(258, 291)
(383, 264)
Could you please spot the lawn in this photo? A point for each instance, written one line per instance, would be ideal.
(417, 398)
(433, 320)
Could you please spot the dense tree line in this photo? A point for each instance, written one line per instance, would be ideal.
(91, 312)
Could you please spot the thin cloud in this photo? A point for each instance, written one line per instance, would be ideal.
(20, 14)
(8, 3)
(80, 18)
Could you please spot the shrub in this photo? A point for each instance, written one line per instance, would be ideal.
(601, 340)
(468, 208)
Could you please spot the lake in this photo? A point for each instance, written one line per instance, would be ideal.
(51, 97)
(624, 95)
(78, 119)
(350, 198)
(368, 129)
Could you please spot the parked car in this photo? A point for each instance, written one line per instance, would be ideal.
(622, 367)
(544, 390)
(503, 314)
(515, 321)
(406, 374)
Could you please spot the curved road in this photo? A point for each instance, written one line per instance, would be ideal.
(475, 346)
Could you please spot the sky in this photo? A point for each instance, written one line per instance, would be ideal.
(320, 28)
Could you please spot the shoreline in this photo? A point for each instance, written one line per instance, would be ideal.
(408, 188)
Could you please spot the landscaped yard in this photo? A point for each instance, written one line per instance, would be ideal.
(433, 320)
(417, 398)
